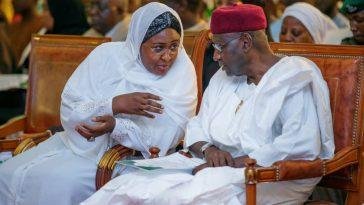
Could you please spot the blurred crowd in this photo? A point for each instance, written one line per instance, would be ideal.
(300, 21)
(295, 21)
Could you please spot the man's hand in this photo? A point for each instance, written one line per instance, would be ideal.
(240, 162)
(218, 158)
(137, 103)
(104, 124)
(199, 168)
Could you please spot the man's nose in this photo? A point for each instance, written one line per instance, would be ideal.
(217, 55)
(353, 26)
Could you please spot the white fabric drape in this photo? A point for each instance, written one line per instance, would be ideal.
(115, 68)
(317, 23)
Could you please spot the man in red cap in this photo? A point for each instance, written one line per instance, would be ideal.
(257, 105)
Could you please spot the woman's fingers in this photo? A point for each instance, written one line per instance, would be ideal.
(146, 114)
(152, 103)
(152, 96)
(83, 131)
(152, 109)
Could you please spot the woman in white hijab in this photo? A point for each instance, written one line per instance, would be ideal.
(139, 93)
(303, 23)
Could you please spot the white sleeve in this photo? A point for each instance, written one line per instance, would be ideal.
(300, 133)
(196, 130)
(127, 133)
(83, 96)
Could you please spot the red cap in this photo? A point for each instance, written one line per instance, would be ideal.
(238, 18)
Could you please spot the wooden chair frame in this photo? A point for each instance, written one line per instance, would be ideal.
(38, 117)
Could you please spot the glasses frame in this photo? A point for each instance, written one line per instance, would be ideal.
(220, 47)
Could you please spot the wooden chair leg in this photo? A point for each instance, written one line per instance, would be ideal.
(250, 183)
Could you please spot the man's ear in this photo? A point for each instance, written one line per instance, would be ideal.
(247, 42)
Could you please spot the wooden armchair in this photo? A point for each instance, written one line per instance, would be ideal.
(53, 59)
(343, 69)
(195, 44)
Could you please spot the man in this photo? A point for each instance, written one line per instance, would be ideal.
(257, 105)
(355, 12)
(109, 18)
(189, 11)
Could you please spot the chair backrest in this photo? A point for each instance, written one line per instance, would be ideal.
(53, 59)
(343, 69)
(195, 44)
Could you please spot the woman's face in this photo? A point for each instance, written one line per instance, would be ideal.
(293, 31)
(160, 51)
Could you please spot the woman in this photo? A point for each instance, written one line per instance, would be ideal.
(303, 23)
(140, 92)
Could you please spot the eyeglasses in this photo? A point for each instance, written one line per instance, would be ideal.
(220, 47)
(162, 49)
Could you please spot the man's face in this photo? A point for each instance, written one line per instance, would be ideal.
(227, 53)
(102, 18)
(160, 51)
(357, 26)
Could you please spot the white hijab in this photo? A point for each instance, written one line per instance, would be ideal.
(317, 23)
(115, 68)
(178, 95)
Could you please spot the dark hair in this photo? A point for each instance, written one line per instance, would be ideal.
(69, 16)
(161, 22)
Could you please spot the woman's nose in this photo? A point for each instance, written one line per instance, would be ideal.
(167, 55)
(285, 38)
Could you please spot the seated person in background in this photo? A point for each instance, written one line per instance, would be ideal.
(331, 9)
(303, 23)
(140, 93)
(66, 17)
(257, 105)
(189, 11)
(109, 18)
(27, 22)
(355, 11)
(7, 58)
(69, 17)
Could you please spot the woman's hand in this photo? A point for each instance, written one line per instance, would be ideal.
(104, 124)
(137, 103)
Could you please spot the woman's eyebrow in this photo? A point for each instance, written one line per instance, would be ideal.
(174, 41)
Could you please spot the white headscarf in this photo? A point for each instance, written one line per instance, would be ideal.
(317, 23)
(115, 68)
(178, 98)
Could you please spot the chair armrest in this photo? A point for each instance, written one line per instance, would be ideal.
(107, 163)
(295, 169)
(303, 169)
(31, 140)
(12, 126)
